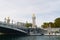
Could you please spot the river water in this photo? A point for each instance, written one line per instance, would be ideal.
(29, 37)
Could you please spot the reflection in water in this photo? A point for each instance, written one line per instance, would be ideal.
(17, 37)
(6, 37)
(29, 37)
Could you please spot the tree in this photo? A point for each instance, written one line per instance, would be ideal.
(28, 24)
(57, 22)
(45, 25)
(52, 24)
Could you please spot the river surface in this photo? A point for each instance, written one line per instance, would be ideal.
(29, 37)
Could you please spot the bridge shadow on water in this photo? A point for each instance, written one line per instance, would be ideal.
(10, 37)
(17, 37)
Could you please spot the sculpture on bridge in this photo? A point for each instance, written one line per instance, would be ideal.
(7, 20)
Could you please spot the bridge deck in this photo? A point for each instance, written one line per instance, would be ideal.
(13, 27)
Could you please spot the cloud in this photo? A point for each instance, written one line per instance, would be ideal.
(21, 10)
(29, 6)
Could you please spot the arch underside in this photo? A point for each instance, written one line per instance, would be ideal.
(7, 31)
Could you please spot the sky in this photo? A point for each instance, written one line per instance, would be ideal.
(22, 10)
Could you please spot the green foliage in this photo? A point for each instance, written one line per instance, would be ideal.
(45, 25)
(56, 24)
(51, 25)
(28, 25)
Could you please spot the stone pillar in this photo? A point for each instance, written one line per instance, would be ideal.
(33, 21)
(49, 29)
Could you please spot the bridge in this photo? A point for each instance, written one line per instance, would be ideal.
(8, 29)
(14, 29)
